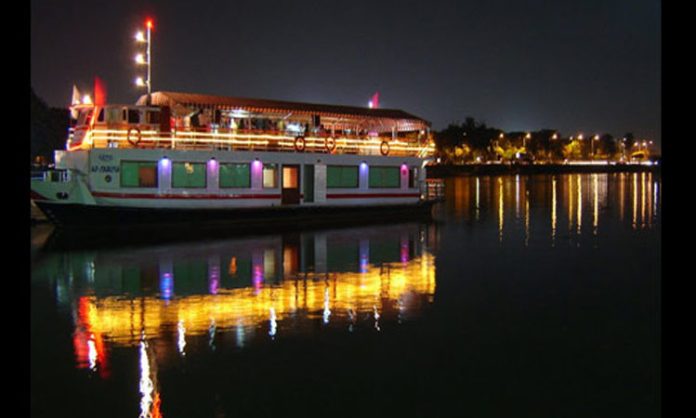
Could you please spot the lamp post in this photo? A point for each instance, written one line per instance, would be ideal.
(594, 138)
(139, 59)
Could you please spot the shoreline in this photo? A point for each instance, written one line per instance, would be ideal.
(442, 171)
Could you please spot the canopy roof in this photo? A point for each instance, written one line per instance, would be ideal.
(397, 118)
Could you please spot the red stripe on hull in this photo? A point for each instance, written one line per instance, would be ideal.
(361, 196)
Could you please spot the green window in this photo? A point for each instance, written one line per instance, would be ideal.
(384, 177)
(341, 177)
(235, 175)
(138, 174)
(188, 175)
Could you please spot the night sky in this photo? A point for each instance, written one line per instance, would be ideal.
(591, 66)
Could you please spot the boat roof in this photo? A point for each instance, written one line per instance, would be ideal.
(172, 99)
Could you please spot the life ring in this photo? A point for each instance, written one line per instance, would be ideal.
(137, 140)
(384, 148)
(300, 144)
(330, 144)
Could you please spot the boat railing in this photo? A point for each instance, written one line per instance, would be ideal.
(51, 175)
(434, 190)
(254, 140)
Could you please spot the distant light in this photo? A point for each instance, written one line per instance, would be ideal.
(140, 37)
(596, 137)
(580, 137)
(139, 82)
(501, 136)
(555, 136)
(140, 59)
(528, 135)
(369, 104)
(149, 23)
(86, 99)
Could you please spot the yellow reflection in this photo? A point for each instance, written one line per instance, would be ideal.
(121, 320)
(570, 203)
(517, 196)
(642, 199)
(477, 198)
(526, 221)
(579, 203)
(500, 209)
(634, 192)
(622, 195)
(554, 203)
(595, 217)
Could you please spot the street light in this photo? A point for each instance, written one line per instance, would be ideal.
(594, 138)
(139, 59)
(524, 141)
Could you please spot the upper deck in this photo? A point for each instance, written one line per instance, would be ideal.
(199, 122)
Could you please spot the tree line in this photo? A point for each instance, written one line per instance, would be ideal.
(474, 141)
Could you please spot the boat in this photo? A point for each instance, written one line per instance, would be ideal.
(174, 158)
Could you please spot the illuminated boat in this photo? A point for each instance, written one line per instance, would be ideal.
(177, 157)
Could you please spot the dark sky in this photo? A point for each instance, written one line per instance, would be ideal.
(590, 66)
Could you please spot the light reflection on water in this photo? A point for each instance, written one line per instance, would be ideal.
(579, 201)
(171, 305)
(279, 284)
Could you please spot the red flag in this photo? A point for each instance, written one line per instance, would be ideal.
(99, 92)
(374, 102)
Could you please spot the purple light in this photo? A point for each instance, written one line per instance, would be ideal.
(166, 285)
(164, 162)
(404, 169)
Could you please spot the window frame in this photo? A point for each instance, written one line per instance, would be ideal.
(205, 177)
(139, 186)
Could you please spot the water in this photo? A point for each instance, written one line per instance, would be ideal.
(528, 296)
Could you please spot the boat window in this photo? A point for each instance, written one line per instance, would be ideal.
(153, 117)
(100, 118)
(188, 175)
(84, 118)
(413, 177)
(341, 177)
(113, 115)
(133, 116)
(235, 175)
(138, 174)
(270, 176)
(384, 177)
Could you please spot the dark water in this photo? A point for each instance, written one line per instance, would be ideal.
(529, 296)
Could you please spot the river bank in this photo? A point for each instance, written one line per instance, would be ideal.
(440, 171)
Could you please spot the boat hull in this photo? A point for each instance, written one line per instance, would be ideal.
(70, 215)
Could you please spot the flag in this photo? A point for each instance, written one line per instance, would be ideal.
(75, 101)
(374, 101)
(99, 92)
(75, 96)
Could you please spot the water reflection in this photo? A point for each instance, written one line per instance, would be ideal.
(172, 296)
(575, 200)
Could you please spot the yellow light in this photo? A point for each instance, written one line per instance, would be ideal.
(140, 37)
(596, 137)
(580, 137)
(86, 99)
(140, 59)
(139, 82)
